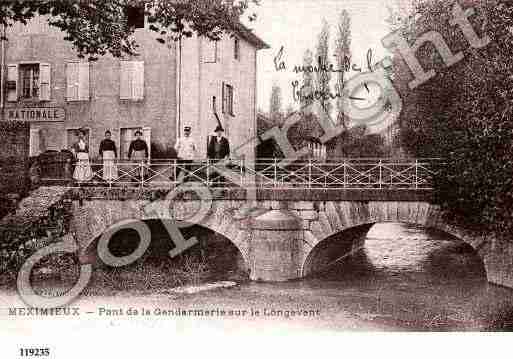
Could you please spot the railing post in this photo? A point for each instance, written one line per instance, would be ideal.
(113, 166)
(141, 172)
(208, 172)
(380, 175)
(345, 174)
(241, 164)
(275, 173)
(174, 171)
(309, 173)
(416, 173)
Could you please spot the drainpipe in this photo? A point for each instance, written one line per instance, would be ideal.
(179, 89)
(2, 72)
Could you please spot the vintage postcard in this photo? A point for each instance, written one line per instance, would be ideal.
(177, 172)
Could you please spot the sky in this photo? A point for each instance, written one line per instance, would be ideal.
(295, 25)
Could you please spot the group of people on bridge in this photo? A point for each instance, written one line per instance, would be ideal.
(218, 148)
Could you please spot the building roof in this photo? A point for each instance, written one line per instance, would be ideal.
(263, 124)
(250, 36)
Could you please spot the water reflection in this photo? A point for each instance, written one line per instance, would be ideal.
(414, 279)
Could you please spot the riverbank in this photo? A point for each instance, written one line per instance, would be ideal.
(292, 306)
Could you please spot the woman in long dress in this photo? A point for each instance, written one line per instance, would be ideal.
(80, 149)
(138, 152)
(108, 153)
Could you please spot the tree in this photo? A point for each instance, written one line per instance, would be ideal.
(323, 77)
(275, 108)
(463, 114)
(308, 84)
(98, 27)
(343, 55)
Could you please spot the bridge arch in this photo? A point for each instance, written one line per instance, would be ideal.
(92, 218)
(355, 219)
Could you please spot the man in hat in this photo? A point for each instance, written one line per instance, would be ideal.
(138, 152)
(186, 151)
(218, 148)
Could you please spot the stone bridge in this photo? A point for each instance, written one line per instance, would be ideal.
(281, 234)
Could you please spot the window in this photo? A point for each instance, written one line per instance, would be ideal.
(236, 48)
(131, 80)
(209, 50)
(228, 99)
(77, 81)
(28, 81)
(135, 16)
(29, 75)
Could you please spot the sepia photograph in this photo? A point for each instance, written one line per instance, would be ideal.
(279, 175)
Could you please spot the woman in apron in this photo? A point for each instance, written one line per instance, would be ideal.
(138, 152)
(80, 149)
(109, 153)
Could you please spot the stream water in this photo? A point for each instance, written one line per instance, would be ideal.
(408, 278)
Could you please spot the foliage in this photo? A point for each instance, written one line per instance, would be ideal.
(464, 114)
(343, 55)
(98, 27)
(308, 83)
(275, 107)
(355, 143)
(323, 77)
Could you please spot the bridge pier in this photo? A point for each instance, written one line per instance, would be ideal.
(275, 239)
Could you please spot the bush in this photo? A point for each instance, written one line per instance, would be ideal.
(161, 151)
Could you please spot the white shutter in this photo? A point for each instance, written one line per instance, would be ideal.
(72, 81)
(138, 80)
(34, 142)
(12, 82)
(209, 50)
(223, 95)
(44, 82)
(147, 138)
(125, 80)
(83, 81)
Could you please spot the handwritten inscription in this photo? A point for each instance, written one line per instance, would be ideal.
(307, 94)
(325, 66)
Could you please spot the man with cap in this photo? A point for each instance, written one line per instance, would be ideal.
(138, 152)
(218, 148)
(186, 151)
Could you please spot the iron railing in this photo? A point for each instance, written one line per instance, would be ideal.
(349, 173)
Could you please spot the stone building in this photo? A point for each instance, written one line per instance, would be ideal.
(163, 89)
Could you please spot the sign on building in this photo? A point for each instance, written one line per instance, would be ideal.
(35, 114)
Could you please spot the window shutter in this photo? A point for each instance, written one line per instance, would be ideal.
(12, 82)
(34, 142)
(209, 50)
(44, 82)
(147, 138)
(83, 81)
(230, 100)
(223, 96)
(72, 81)
(125, 80)
(138, 80)
(236, 48)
